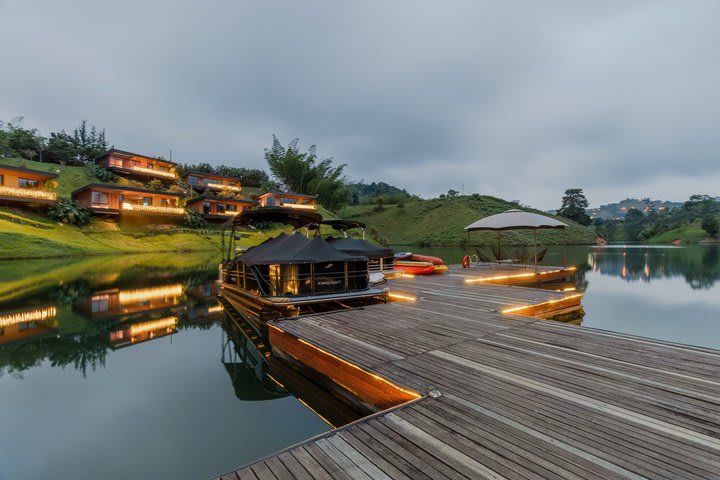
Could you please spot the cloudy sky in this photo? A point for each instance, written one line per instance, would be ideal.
(518, 99)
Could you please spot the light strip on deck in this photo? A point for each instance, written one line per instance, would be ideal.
(517, 275)
(548, 302)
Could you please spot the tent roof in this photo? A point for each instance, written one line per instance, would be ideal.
(290, 216)
(339, 224)
(515, 220)
(296, 248)
(354, 246)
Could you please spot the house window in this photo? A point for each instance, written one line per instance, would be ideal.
(206, 207)
(220, 207)
(287, 200)
(269, 200)
(2, 180)
(100, 303)
(232, 208)
(27, 183)
(205, 181)
(121, 199)
(116, 162)
(99, 198)
(193, 180)
(165, 202)
(147, 201)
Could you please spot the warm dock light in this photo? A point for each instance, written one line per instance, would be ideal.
(517, 275)
(216, 309)
(27, 193)
(159, 173)
(143, 294)
(164, 323)
(567, 289)
(153, 209)
(401, 296)
(548, 302)
(36, 315)
(407, 275)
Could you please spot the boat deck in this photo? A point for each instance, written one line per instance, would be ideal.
(512, 396)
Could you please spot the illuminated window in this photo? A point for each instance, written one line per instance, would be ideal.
(121, 199)
(100, 303)
(232, 208)
(147, 201)
(2, 180)
(288, 200)
(165, 202)
(220, 207)
(193, 180)
(27, 183)
(99, 198)
(206, 207)
(115, 162)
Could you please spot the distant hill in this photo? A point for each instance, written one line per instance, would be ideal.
(440, 221)
(361, 192)
(617, 211)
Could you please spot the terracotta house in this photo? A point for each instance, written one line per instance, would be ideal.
(218, 208)
(201, 181)
(135, 165)
(25, 186)
(119, 200)
(289, 200)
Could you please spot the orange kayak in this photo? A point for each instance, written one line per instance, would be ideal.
(440, 268)
(427, 258)
(416, 268)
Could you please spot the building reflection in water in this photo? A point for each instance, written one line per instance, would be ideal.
(28, 324)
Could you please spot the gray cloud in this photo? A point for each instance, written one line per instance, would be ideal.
(515, 99)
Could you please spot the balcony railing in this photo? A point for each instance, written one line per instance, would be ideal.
(299, 206)
(159, 173)
(229, 213)
(36, 315)
(153, 209)
(153, 293)
(27, 193)
(166, 324)
(220, 186)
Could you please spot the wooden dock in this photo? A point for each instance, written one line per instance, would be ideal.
(506, 396)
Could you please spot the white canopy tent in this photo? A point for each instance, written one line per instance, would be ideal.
(519, 220)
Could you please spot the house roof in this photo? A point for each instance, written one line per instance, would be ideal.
(128, 189)
(125, 152)
(221, 199)
(288, 194)
(207, 174)
(28, 170)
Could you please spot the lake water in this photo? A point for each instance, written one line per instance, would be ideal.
(122, 367)
(130, 374)
(665, 292)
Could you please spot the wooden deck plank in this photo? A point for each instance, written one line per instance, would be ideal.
(521, 397)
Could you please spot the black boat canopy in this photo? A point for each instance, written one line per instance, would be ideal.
(355, 246)
(296, 248)
(339, 224)
(288, 216)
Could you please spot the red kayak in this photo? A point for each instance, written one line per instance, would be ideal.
(415, 268)
(426, 258)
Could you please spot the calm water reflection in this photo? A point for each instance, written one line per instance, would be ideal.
(119, 367)
(670, 293)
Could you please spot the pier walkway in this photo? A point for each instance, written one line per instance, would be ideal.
(507, 396)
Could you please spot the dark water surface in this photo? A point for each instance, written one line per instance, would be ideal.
(664, 292)
(130, 374)
(121, 367)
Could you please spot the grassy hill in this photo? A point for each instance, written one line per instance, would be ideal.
(688, 233)
(441, 222)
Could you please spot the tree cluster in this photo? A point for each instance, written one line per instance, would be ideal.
(250, 177)
(80, 147)
(304, 173)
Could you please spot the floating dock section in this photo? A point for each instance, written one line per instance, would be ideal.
(503, 394)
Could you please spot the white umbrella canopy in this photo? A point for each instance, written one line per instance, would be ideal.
(515, 220)
(518, 220)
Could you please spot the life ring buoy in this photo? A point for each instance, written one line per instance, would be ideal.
(466, 261)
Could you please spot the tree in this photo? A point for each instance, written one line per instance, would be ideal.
(61, 148)
(304, 173)
(573, 206)
(634, 223)
(711, 225)
(26, 143)
(89, 143)
(452, 193)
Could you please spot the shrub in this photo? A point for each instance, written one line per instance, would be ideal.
(156, 184)
(101, 174)
(69, 212)
(193, 219)
(711, 225)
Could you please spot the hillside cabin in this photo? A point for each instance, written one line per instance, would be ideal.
(24, 186)
(218, 208)
(289, 200)
(118, 200)
(201, 181)
(27, 324)
(137, 166)
(116, 302)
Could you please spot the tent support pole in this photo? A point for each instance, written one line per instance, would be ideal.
(535, 247)
(564, 248)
